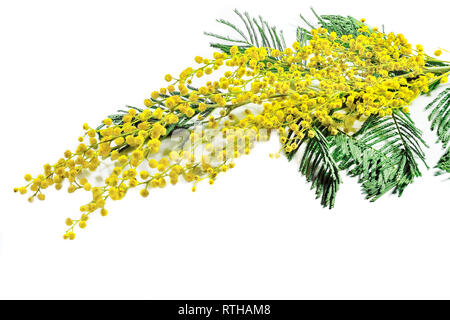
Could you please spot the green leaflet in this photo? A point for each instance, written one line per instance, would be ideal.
(303, 36)
(339, 24)
(440, 116)
(257, 33)
(319, 168)
(443, 164)
(440, 122)
(383, 154)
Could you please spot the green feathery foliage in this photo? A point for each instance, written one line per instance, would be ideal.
(319, 168)
(383, 154)
(440, 121)
(440, 116)
(443, 164)
(339, 24)
(258, 34)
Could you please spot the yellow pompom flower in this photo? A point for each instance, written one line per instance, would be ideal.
(234, 50)
(155, 95)
(144, 193)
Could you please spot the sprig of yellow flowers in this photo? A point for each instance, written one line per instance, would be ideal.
(327, 86)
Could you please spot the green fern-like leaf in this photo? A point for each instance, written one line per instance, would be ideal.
(383, 154)
(320, 169)
(440, 122)
(303, 36)
(257, 33)
(335, 23)
(440, 116)
(443, 164)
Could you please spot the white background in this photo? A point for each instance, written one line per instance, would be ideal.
(258, 232)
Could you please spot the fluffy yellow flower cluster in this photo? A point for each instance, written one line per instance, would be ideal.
(334, 82)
